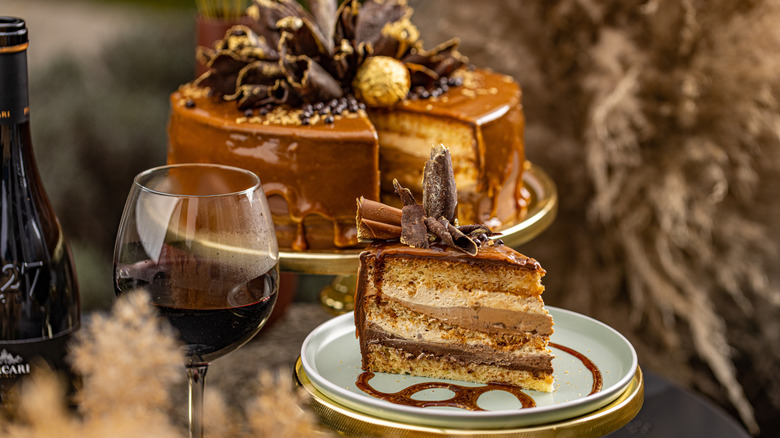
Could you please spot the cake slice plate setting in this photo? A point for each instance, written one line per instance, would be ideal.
(584, 348)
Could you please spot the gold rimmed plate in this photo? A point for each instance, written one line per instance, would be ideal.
(330, 358)
(542, 208)
(598, 423)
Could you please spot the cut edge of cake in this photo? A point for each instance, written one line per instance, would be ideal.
(441, 314)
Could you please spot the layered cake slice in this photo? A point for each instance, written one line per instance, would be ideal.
(441, 313)
(447, 301)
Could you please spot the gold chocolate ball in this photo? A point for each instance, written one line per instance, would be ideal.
(381, 81)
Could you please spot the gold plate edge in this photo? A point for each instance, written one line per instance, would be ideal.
(600, 422)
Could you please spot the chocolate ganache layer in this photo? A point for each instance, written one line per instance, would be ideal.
(459, 354)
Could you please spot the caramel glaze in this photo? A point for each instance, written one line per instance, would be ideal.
(313, 174)
(308, 172)
(598, 381)
(487, 254)
(466, 397)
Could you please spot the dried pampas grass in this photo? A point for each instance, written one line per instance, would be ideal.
(130, 362)
(659, 120)
(679, 119)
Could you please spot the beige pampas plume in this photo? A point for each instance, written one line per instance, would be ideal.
(278, 410)
(659, 121)
(128, 362)
(679, 119)
(129, 359)
(41, 411)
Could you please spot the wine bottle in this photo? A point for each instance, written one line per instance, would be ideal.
(39, 300)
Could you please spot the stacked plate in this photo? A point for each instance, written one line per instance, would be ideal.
(330, 364)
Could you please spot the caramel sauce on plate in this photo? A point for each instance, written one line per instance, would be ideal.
(594, 370)
(466, 397)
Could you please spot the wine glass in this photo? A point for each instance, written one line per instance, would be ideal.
(200, 239)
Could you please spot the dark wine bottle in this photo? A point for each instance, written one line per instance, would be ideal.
(39, 300)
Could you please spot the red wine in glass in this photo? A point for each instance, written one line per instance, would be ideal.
(200, 240)
(209, 324)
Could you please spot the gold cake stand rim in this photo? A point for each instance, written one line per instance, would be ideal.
(600, 422)
(542, 209)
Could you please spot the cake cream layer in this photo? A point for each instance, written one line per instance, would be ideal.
(485, 301)
(403, 323)
(482, 124)
(312, 174)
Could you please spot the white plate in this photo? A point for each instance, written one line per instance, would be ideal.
(330, 356)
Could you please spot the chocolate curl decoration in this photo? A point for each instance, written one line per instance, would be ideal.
(439, 229)
(414, 225)
(377, 221)
(404, 194)
(462, 241)
(319, 51)
(440, 197)
(428, 66)
(324, 13)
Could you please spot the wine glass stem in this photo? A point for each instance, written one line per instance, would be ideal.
(196, 375)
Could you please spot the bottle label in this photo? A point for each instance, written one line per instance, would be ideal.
(12, 275)
(17, 359)
(14, 99)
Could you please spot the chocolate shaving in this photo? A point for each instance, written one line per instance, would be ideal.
(309, 80)
(462, 241)
(373, 230)
(324, 13)
(440, 197)
(414, 224)
(378, 211)
(414, 231)
(301, 37)
(261, 73)
(439, 229)
(404, 194)
(223, 72)
(427, 67)
(249, 96)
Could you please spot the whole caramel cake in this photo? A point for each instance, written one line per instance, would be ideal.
(324, 120)
(445, 301)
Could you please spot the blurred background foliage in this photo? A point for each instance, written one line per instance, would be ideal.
(97, 124)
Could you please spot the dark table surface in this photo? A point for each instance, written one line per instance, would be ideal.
(672, 411)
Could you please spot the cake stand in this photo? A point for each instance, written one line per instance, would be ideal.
(338, 296)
